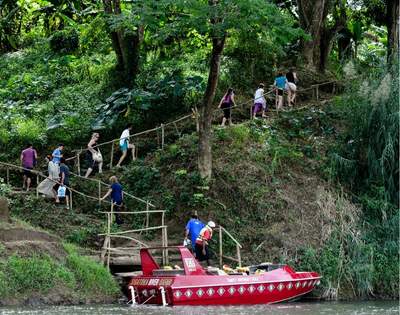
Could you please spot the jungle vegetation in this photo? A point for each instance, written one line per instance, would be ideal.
(69, 67)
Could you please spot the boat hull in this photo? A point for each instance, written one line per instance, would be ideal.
(221, 290)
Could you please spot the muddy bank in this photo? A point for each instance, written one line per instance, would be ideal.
(37, 268)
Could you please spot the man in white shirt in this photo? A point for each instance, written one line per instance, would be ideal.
(259, 101)
(124, 145)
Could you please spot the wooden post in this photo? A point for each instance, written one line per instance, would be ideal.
(8, 175)
(147, 214)
(78, 164)
(166, 245)
(163, 239)
(238, 255)
(112, 154)
(99, 186)
(37, 184)
(220, 246)
(108, 241)
(112, 212)
(333, 87)
(70, 199)
(162, 136)
(317, 92)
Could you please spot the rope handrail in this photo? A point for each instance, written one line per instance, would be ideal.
(159, 127)
(133, 212)
(38, 173)
(133, 231)
(108, 185)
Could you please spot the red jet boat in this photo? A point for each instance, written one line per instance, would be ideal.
(193, 285)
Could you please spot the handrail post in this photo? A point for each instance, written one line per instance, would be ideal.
(220, 246)
(70, 199)
(78, 164)
(238, 255)
(108, 238)
(162, 136)
(37, 184)
(166, 245)
(112, 154)
(163, 244)
(99, 186)
(147, 214)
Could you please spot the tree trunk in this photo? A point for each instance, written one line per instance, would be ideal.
(313, 17)
(126, 45)
(393, 21)
(205, 155)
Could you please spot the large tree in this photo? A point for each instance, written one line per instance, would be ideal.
(313, 18)
(392, 23)
(126, 36)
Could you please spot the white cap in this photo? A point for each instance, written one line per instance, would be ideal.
(211, 224)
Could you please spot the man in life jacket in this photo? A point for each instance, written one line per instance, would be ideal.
(202, 240)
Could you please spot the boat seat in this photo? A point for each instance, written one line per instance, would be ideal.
(167, 272)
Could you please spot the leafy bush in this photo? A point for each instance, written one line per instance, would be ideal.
(90, 276)
(65, 41)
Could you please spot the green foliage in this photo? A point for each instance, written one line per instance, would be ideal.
(34, 274)
(368, 153)
(90, 276)
(65, 41)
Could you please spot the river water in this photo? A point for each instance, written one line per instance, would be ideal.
(295, 308)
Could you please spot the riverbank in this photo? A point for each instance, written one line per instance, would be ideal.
(37, 268)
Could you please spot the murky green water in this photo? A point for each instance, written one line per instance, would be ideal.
(297, 308)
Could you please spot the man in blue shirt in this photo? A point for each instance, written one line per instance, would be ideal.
(117, 197)
(193, 228)
(57, 154)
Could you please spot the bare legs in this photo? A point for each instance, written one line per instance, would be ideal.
(26, 184)
(224, 120)
(289, 98)
(125, 153)
(90, 169)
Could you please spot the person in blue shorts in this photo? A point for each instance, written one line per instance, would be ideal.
(279, 85)
(193, 228)
(124, 145)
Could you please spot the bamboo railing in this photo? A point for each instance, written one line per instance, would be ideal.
(221, 256)
(108, 249)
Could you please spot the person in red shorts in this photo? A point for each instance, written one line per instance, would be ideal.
(201, 248)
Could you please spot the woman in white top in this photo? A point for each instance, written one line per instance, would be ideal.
(124, 145)
(259, 101)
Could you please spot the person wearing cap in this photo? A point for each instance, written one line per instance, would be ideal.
(193, 229)
(202, 240)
